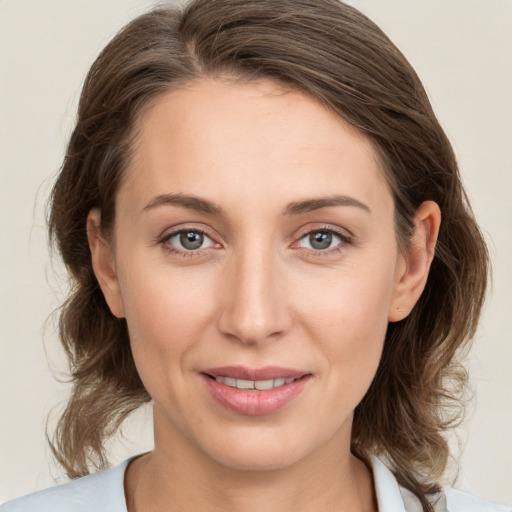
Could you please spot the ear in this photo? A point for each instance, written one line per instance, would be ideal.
(413, 266)
(103, 263)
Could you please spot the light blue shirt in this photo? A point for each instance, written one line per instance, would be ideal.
(104, 492)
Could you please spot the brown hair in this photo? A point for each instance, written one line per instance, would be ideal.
(335, 54)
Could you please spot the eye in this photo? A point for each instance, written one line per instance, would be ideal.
(322, 240)
(188, 240)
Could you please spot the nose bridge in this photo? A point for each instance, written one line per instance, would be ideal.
(254, 306)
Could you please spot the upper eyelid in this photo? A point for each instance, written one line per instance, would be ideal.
(320, 230)
(346, 239)
(164, 242)
(170, 232)
(342, 232)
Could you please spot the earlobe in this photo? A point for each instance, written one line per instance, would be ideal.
(103, 263)
(414, 266)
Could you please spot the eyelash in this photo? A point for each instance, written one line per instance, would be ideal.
(190, 253)
(344, 240)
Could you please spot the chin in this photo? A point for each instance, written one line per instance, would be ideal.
(258, 452)
(257, 460)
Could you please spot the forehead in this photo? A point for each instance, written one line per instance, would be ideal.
(249, 139)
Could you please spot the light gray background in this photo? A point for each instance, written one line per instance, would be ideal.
(462, 49)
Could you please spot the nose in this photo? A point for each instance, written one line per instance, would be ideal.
(253, 297)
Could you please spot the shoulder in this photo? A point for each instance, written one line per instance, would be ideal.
(458, 501)
(392, 497)
(99, 492)
(452, 500)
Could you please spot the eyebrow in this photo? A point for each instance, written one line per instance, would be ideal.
(189, 202)
(309, 205)
(295, 208)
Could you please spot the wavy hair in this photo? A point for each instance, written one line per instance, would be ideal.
(336, 55)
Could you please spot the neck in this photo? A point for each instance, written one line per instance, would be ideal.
(177, 477)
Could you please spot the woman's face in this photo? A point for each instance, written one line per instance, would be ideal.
(254, 247)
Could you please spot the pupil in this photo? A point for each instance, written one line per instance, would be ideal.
(191, 240)
(320, 240)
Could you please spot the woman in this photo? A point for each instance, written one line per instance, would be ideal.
(269, 240)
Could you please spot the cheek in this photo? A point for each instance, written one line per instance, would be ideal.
(166, 313)
(347, 316)
(351, 301)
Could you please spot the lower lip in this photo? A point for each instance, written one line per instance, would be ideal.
(255, 402)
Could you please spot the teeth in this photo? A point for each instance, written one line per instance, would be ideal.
(260, 385)
(244, 384)
(230, 381)
(264, 384)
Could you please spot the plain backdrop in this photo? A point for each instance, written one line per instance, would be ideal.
(462, 50)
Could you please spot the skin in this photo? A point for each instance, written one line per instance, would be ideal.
(255, 294)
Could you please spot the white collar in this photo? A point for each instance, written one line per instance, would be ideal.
(389, 497)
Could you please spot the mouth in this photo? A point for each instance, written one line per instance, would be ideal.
(241, 377)
(254, 392)
(259, 385)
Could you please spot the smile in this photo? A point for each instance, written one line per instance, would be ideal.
(260, 385)
(254, 391)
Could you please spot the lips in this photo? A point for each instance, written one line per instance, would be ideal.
(254, 391)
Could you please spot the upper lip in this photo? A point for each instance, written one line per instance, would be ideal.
(264, 373)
